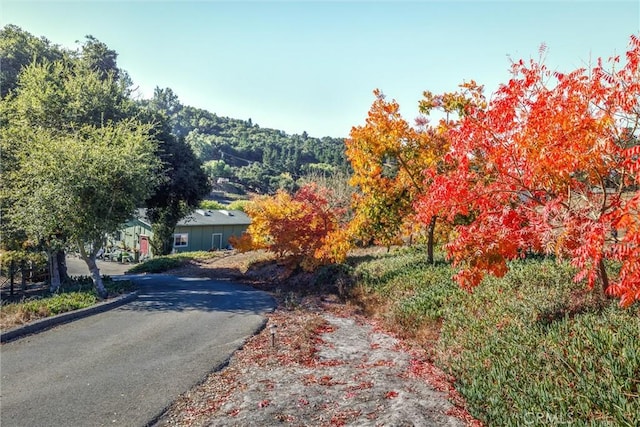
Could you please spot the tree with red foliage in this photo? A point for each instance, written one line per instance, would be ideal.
(298, 227)
(550, 164)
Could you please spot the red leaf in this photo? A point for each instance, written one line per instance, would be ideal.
(391, 395)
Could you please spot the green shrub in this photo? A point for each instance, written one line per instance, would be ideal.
(158, 265)
(434, 291)
(381, 273)
(333, 278)
(238, 205)
(50, 306)
(74, 294)
(212, 205)
(85, 284)
(16, 259)
(419, 291)
(119, 287)
(164, 263)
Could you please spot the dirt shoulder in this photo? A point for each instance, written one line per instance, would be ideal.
(318, 362)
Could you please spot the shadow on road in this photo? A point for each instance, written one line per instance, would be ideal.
(171, 293)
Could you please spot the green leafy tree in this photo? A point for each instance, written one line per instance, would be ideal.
(63, 97)
(183, 185)
(56, 101)
(217, 169)
(258, 156)
(78, 187)
(19, 49)
(97, 56)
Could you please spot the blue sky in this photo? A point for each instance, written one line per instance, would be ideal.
(312, 66)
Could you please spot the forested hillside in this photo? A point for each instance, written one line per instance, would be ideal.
(259, 159)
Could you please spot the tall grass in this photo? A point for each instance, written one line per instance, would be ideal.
(531, 348)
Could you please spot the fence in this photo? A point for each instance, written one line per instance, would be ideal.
(21, 276)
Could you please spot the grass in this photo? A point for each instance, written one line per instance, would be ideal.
(531, 348)
(164, 263)
(410, 293)
(76, 294)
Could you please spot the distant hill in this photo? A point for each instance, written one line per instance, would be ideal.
(240, 152)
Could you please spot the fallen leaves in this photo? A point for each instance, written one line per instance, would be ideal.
(312, 377)
(325, 380)
(391, 394)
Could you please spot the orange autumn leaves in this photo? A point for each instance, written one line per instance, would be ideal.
(548, 164)
(388, 157)
(301, 227)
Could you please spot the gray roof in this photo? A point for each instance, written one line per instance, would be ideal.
(205, 217)
(215, 217)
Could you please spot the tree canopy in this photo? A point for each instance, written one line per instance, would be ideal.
(75, 162)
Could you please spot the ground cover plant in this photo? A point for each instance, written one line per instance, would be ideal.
(531, 348)
(75, 294)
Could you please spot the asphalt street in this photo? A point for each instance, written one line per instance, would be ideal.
(124, 366)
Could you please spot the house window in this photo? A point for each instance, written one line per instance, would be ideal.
(180, 240)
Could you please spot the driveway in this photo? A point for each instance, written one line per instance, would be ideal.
(77, 267)
(125, 366)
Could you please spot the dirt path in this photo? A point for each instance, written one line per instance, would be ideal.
(325, 369)
(323, 365)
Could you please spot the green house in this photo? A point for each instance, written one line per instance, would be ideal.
(202, 230)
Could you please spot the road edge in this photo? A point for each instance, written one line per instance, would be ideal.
(216, 368)
(49, 322)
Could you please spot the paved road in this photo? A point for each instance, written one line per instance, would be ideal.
(123, 367)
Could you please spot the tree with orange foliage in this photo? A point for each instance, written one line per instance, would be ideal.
(299, 227)
(551, 164)
(388, 156)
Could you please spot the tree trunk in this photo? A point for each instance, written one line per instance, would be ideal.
(95, 276)
(94, 271)
(430, 239)
(62, 266)
(12, 273)
(54, 273)
(31, 275)
(23, 276)
(604, 278)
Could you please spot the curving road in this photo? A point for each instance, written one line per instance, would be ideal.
(125, 366)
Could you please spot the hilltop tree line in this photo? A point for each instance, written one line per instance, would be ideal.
(256, 159)
(80, 153)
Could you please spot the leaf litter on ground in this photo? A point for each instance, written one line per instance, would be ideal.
(324, 366)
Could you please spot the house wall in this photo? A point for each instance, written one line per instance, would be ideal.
(130, 234)
(201, 237)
